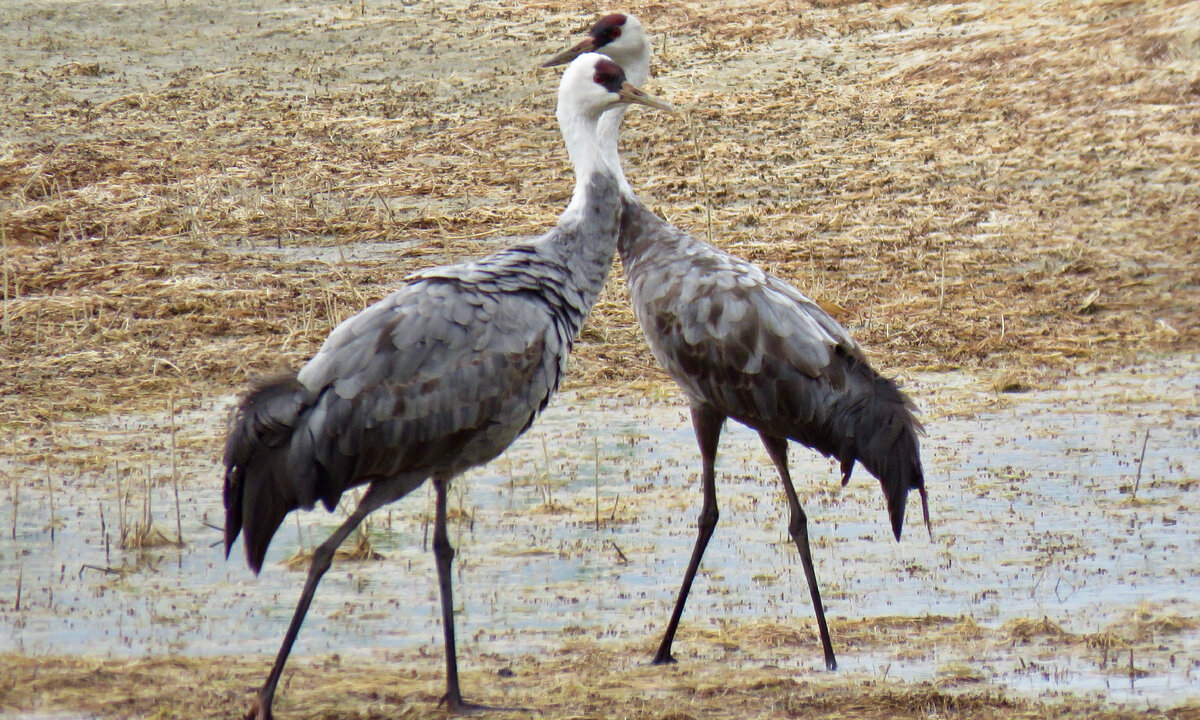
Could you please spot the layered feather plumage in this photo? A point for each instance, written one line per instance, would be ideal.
(437, 377)
(757, 350)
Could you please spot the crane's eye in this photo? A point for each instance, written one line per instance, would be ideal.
(616, 33)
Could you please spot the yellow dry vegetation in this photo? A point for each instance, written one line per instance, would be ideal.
(583, 683)
(1010, 186)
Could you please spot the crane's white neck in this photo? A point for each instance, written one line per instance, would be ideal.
(637, 71)
(588, 154)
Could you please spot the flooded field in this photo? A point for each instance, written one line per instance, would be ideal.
(1058, 563)
(195, 193)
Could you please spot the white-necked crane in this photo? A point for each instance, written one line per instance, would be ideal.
(440, 376)
(746, 345)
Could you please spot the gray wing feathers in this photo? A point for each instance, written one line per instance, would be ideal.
(437, 377)
(729, 312)
(409, 385)
(759, 351)
(720, 326)
(435, 362)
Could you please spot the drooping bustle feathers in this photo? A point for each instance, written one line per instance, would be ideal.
(258, 491)
(882, 435)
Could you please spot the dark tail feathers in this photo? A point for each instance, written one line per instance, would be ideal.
(260, 487)
(885, 442)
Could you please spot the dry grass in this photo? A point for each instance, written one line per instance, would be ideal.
(589, 681)
(360, 549)
(586, 678)
(739, 670)
(1014, 187)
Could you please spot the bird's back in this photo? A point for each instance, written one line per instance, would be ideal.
(757, 350)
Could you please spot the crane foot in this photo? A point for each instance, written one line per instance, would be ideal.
(258, 711)
(462, 707)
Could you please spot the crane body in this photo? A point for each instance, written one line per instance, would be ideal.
(438, 377)
(746, 345)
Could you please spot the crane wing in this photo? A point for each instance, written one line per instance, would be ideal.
(713, 320)
(757, 350)
(437, 370)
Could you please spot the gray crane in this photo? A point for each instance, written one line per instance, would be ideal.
(440, 376)
(743, 344)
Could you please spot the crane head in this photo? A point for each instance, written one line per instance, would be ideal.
(596, 83)
(619, 36)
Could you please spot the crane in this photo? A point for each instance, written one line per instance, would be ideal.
(746, 345)
(439, 376)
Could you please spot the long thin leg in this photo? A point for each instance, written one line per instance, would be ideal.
(777, 448)
(707, 423)
(443, 553)
(321, 560)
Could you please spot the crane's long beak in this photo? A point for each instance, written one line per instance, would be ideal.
(630, 94)
(586, 45)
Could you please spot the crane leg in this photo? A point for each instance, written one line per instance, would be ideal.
(443, 554)
(777, 448)
(321, 560)
(707, 423)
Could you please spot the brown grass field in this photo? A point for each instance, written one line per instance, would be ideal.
(195, 193)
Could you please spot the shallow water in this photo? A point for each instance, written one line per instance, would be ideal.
(330, 252)
(1033, 501)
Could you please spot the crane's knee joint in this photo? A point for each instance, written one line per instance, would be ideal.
(442, 547)
(322, 558)
(798, 527)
